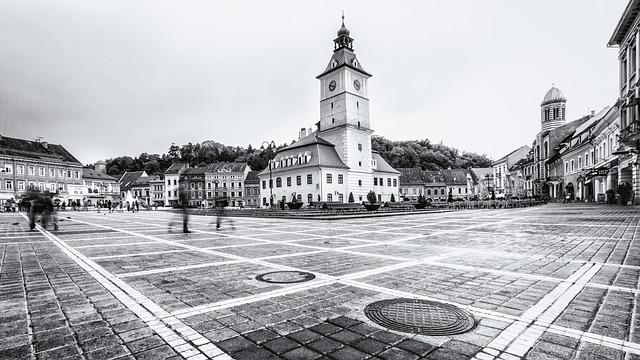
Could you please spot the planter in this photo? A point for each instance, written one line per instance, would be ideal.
(419, 206)
(371, 207)
(295, 206)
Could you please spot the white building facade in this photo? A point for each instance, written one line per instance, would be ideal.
(337, 159)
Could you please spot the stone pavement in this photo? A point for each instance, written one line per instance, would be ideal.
(559, 281)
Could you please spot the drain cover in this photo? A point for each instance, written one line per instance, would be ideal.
(420, 317)
(285, 277)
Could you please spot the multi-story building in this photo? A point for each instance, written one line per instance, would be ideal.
(503, 181)
(98, 186)
(26, 164)
(227, 180)
(578, 158)
(436, 184)
(192, 182)
(336, 161)
(252, 190)
(171, 188)
(626, 36)
(156, 191)
(607, 169)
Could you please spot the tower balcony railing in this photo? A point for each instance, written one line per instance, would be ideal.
(631, 133)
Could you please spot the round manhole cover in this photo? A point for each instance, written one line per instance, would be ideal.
(420, 317)
(285, 277)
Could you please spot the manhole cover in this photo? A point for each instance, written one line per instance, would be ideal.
(285, 277)
(420, 317)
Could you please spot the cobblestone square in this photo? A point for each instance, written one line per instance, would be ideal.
(558, 281)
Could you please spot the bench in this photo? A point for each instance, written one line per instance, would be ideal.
(342, 207)
(405, 205)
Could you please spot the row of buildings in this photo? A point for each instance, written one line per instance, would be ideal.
(591, 157)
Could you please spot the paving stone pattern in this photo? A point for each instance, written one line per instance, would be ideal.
(560, 281)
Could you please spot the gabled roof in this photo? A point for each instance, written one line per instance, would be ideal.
(176, 168)
(323, 154)
(343, 57)
(194, 171)
(96, 175)
(455, 176)
(36, 150)
(129, 177)
(382, 165)
(625, 23)
(227, 166)
(252, 178)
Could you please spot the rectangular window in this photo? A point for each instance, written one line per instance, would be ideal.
(360, 147)
(632, 56)
(9, 185)
(32, 170)
(264, 184)
(52, 172)
(77, 174)
(20, 185)
(288, 180)
(329, 179)
(340, 179)
(20, 169)
(8, 168)
(168, 182)
(375, 181)
(360, 184)
(388, 181)
(239, 193)
(309, 179)
(395, 182)
(299, 180)
(41, 171)
(380, 181)
(175, 181)
(233, 194)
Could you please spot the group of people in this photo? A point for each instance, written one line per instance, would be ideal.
(40, 204)
(220, 212)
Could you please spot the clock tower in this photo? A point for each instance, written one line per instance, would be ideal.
(344, 106)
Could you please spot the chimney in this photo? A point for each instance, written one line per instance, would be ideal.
(303, 133)
(593, 112)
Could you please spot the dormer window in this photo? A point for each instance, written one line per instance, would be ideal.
(355, 63)
(334, 63)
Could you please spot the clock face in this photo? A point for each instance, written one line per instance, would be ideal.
(356, 84)
(332, 85)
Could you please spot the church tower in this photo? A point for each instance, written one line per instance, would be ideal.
(552, 112)
(344, 106)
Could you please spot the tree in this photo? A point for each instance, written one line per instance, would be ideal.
(371, 196)
(174, 151)
(351, 197)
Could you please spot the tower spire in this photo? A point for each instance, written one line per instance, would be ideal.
(342, 17)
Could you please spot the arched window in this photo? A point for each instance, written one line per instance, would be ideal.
(441, 191)
(299, 197)
(309, 198)
(428, 191)
(278, 182)
(329, 197)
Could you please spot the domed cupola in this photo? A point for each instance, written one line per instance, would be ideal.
(553, 95)
(343, 30)
(553, 109)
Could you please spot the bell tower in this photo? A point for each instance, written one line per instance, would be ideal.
(344, 87)
(344, 105)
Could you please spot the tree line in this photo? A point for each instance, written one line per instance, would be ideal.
(399, 154)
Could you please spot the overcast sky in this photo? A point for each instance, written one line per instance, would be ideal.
(114, 78)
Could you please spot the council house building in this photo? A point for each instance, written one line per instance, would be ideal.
(336, 160)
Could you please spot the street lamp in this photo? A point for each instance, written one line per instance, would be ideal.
(270, 145)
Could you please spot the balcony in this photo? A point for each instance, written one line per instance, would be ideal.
(631, 134)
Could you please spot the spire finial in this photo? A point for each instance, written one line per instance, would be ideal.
(342, 17)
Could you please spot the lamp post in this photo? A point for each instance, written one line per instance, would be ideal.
(270, 145)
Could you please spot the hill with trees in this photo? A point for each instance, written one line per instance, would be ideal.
(399, 154)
